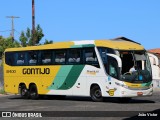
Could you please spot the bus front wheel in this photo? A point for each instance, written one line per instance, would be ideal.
(33, 92)
(96, 94)
(24, 92)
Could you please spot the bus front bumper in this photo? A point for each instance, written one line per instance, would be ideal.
(133, 93)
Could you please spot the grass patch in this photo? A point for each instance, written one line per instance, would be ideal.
(2, 91)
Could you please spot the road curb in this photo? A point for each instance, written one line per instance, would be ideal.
(4, 95)
(156, 89)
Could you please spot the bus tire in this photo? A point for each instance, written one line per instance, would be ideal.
(24, 92)
(33, 92)
(96, 94)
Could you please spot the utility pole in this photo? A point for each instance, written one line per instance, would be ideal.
(12, 31)
(33, 23)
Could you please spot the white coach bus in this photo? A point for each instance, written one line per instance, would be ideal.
(96, 68)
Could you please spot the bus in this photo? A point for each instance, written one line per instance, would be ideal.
(93, 68)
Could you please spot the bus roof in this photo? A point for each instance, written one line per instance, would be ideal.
(118, 44)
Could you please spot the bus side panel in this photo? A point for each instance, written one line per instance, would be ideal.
(95, 76)
(13, 76)
(65, 80)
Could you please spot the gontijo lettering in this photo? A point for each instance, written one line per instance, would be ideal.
(36, 71)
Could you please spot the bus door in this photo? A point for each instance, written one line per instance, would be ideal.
(113, 69)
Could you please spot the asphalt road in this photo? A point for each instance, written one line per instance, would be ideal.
(93, 110)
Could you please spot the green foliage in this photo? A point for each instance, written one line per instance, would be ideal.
(38, 34)
(2, 91)
(23, 39)
(28, 33)
(7, 43)
(48, 41)
(27, 39)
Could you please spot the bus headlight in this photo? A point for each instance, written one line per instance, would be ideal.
(121, 84)
(151, 85)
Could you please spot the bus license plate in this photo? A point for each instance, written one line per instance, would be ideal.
(139, 93)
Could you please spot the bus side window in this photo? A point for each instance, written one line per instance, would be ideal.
(32, 55)
(74, 56)
(20, 57)
(91, 57)
(46, 57)
(9, 58)
(60, 57)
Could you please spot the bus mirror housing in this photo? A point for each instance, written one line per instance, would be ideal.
(119, 61)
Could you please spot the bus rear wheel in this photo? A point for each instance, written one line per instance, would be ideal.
(96, 94)
(33, 92)
(24, 92)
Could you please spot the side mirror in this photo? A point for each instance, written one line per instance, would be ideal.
(119, 61)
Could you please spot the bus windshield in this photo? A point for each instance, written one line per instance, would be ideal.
(136, 66)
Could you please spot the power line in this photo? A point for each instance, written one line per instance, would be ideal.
(5, 30)
(11, 30)
(12, 33)
(17, 31)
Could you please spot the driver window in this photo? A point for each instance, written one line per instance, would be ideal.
(112, 67)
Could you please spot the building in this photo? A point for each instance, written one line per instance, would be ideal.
(155, 51)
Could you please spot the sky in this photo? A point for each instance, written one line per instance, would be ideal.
(69, 20)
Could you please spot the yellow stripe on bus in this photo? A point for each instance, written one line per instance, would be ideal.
(122, 45)
(133, 85)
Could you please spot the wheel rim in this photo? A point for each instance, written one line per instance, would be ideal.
(33, 92)
(23, 92)
(97, 93)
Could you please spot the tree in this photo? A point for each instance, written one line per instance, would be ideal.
(1, 45)
(7, 43)
(27, 38)
(23, 39)
(48, 41)
(38, 34)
